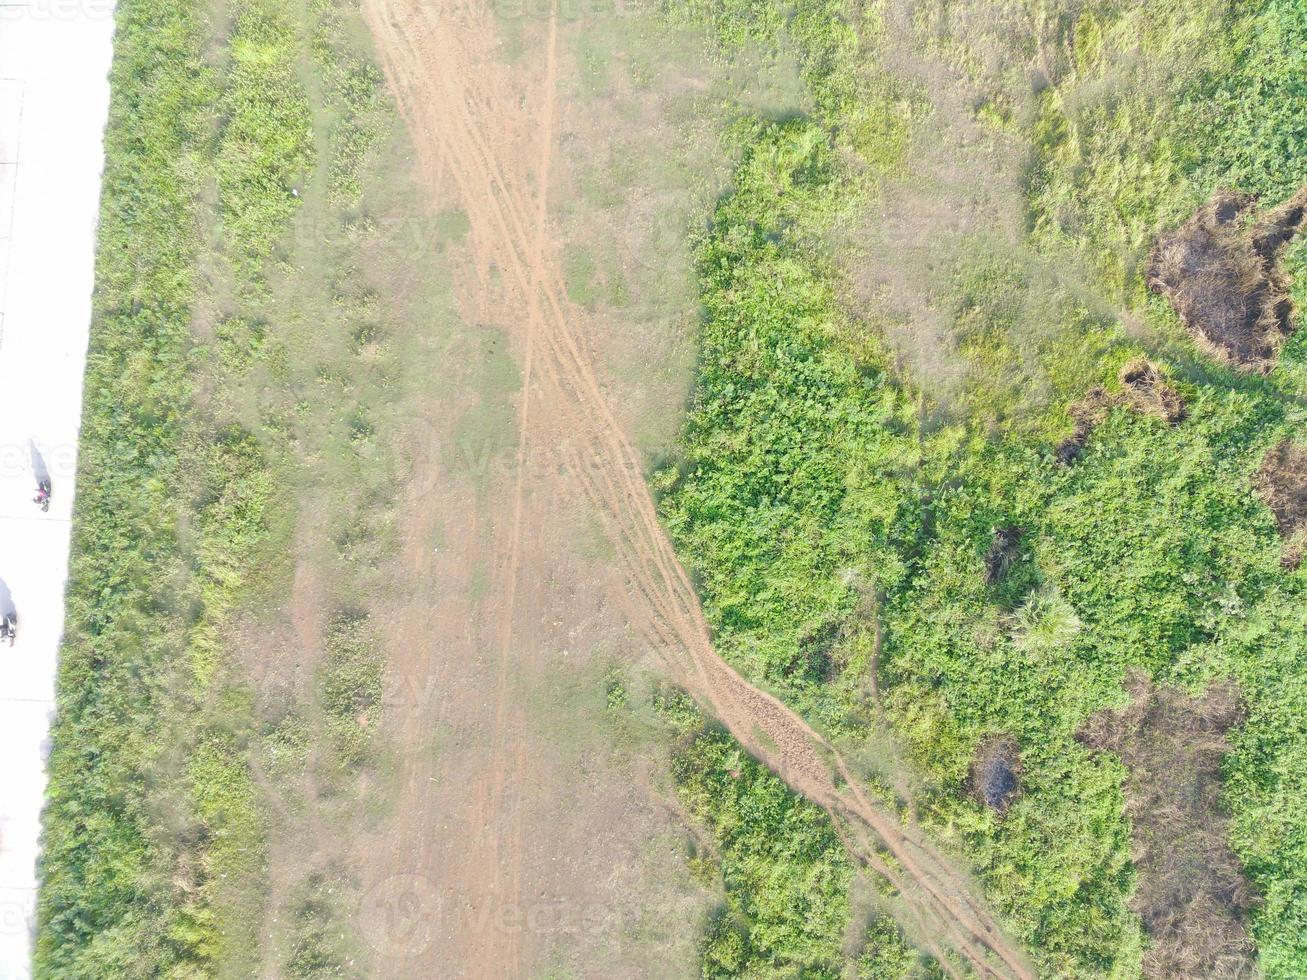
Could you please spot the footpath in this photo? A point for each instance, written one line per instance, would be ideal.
(54, 96)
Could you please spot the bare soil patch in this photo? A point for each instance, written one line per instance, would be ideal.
(995, 777)
(1282, 484)
(1192, 896)
(1221, 272)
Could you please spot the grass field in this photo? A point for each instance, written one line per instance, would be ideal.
(156, 850)
(838, 491)
(911, 243)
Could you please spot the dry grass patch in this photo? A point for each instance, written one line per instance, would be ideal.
(995, 776)
(1003, 550)
(1143, 389)
(1221, 272)
(1191, 896)
(1282, 485)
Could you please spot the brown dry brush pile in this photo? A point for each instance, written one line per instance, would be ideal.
(1143, 390)
(1221, 272)
(1192, 896)
(1282, 484)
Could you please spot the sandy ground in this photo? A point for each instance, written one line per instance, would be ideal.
(486, 136)
(54, 92)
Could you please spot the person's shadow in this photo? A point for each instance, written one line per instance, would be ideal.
(39, 469)
(7, 607)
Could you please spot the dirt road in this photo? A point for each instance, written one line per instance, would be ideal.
(491, 147)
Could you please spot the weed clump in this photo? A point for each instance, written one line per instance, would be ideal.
(1282, 485)
(1192, 896)
(1221, 272)
(351, 687)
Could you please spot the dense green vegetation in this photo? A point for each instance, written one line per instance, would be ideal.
(827, 496)
(107, 905)
(783, 871)
(776, 532)
(786, 876)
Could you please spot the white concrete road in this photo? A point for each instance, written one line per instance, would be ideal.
(54, 95)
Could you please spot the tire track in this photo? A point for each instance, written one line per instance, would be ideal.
(501, 773)
(468, 128)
